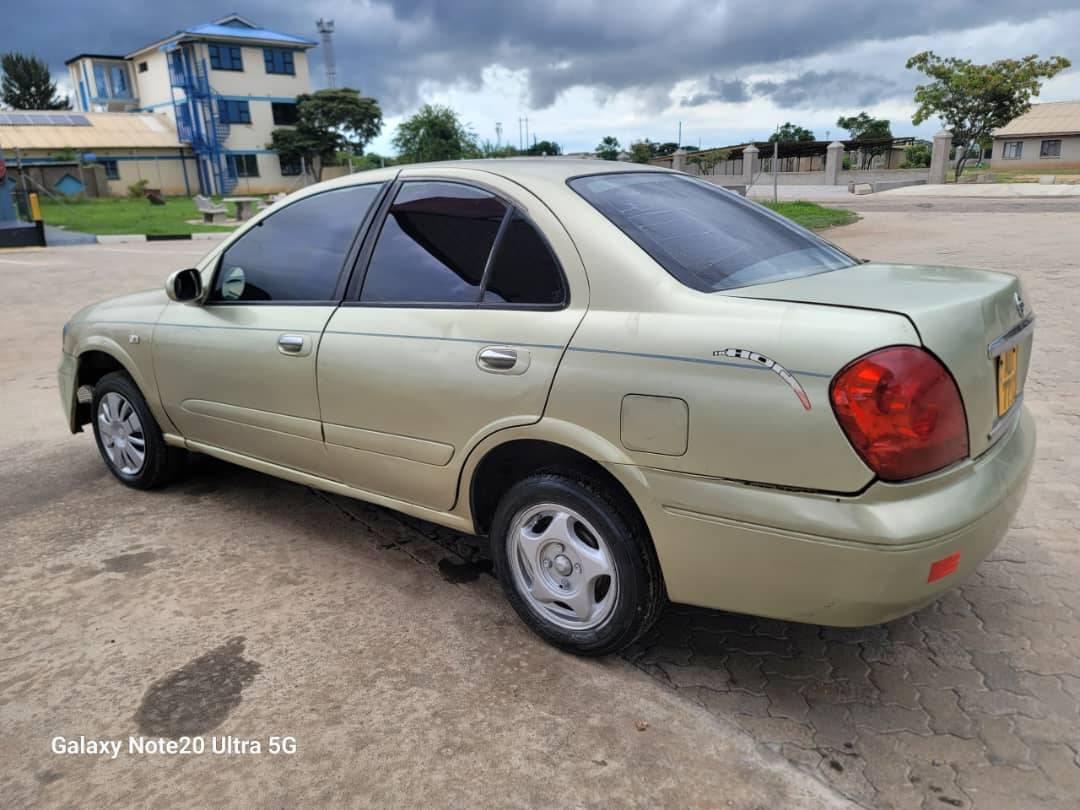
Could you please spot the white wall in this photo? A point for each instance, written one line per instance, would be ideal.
(1029, 156)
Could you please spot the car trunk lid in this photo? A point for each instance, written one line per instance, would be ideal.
(973, 320)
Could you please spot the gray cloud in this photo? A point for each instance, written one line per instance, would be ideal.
(825, 88)
(732, 90)
(387, 48)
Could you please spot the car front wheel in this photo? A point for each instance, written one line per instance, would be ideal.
(129, 438)
(576, 563)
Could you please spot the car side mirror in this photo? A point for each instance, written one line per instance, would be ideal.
(184, 285)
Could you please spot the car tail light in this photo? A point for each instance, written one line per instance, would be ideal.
(901, 411)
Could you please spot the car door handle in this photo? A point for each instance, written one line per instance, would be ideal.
(502, 360)
(498, 359)
(291, 344)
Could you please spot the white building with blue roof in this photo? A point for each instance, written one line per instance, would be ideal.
(226, 84)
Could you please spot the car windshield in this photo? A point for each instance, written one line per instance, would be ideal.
(708, 238)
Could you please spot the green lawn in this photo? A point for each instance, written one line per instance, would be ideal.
(813, 216)
(1017, 175)
(106, 215)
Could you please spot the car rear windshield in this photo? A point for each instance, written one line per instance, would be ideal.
(708, 238)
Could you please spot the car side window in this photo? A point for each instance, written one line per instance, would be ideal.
(434, 245)
(523, 270)
(296, 254)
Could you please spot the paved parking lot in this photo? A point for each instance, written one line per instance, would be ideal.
(239, 605)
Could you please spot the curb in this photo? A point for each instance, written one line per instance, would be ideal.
(113, 238)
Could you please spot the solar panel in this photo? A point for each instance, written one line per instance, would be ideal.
(29, 119)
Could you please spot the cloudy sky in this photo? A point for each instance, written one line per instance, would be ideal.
(581, 69)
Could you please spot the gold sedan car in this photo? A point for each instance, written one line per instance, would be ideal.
(638, 385)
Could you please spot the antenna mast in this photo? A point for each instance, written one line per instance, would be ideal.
(326, 31)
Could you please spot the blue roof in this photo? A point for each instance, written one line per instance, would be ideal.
(243, 32)
(235, 28)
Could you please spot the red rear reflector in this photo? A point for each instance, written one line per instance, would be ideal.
(944, 567)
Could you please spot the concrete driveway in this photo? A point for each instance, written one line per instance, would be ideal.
(235, 604)
(239, 607)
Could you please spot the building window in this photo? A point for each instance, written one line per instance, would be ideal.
(279, 60)
(119, 76)
(290, 165)
(1050, 149)
(143, 67)
(284, 113)
(225, 57)
(1012, 150)
(112, 171)
(234, 112)
(101, 84)
(244, 165)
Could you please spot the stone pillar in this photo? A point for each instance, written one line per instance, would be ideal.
(750, 165)
(939, 157)
(834, 161)
(678, 160)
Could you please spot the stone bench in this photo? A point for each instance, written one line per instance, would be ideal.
(212, 213)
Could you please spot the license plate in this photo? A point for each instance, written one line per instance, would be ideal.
(1006, 380)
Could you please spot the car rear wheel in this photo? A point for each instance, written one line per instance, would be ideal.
(129, 438)
(576, 563)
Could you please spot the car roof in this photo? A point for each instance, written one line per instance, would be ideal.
(538, 168)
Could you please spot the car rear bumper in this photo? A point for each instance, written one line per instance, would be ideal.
(845, 561)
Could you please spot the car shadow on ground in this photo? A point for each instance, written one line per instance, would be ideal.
(926, 710)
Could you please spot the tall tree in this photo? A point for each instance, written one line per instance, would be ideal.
(327, 122)
(791, 132)
(434, 133)
(863, 127)
(608, 148)
(973, 100)
(27, 85)
(642, 151)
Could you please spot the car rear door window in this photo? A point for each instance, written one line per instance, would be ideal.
(523, 270)
(707, 238)
(297, 253)
(434, 245)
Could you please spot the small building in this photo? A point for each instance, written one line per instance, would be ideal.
(225, 84)
(97, 154)
(1045, 138)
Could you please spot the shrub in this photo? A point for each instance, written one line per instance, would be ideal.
(138, 189)
(916, 156)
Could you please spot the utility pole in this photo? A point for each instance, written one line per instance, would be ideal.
(526, 132)
(678, 138)
(775, 166)
(498, 134)
(326, 31)
(520, 130)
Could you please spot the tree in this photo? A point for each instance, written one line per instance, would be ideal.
(862, 127)
(667, 148)
(916, 156)
(642, 151)
(327, 122)
(435, 133)
(544, 148)
(973, 100)
(608, 148)
(27, 84)
(791, 132)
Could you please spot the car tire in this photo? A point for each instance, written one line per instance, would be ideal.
(128, 436)
(576, 562)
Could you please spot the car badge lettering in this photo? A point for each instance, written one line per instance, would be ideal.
(769, 363)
